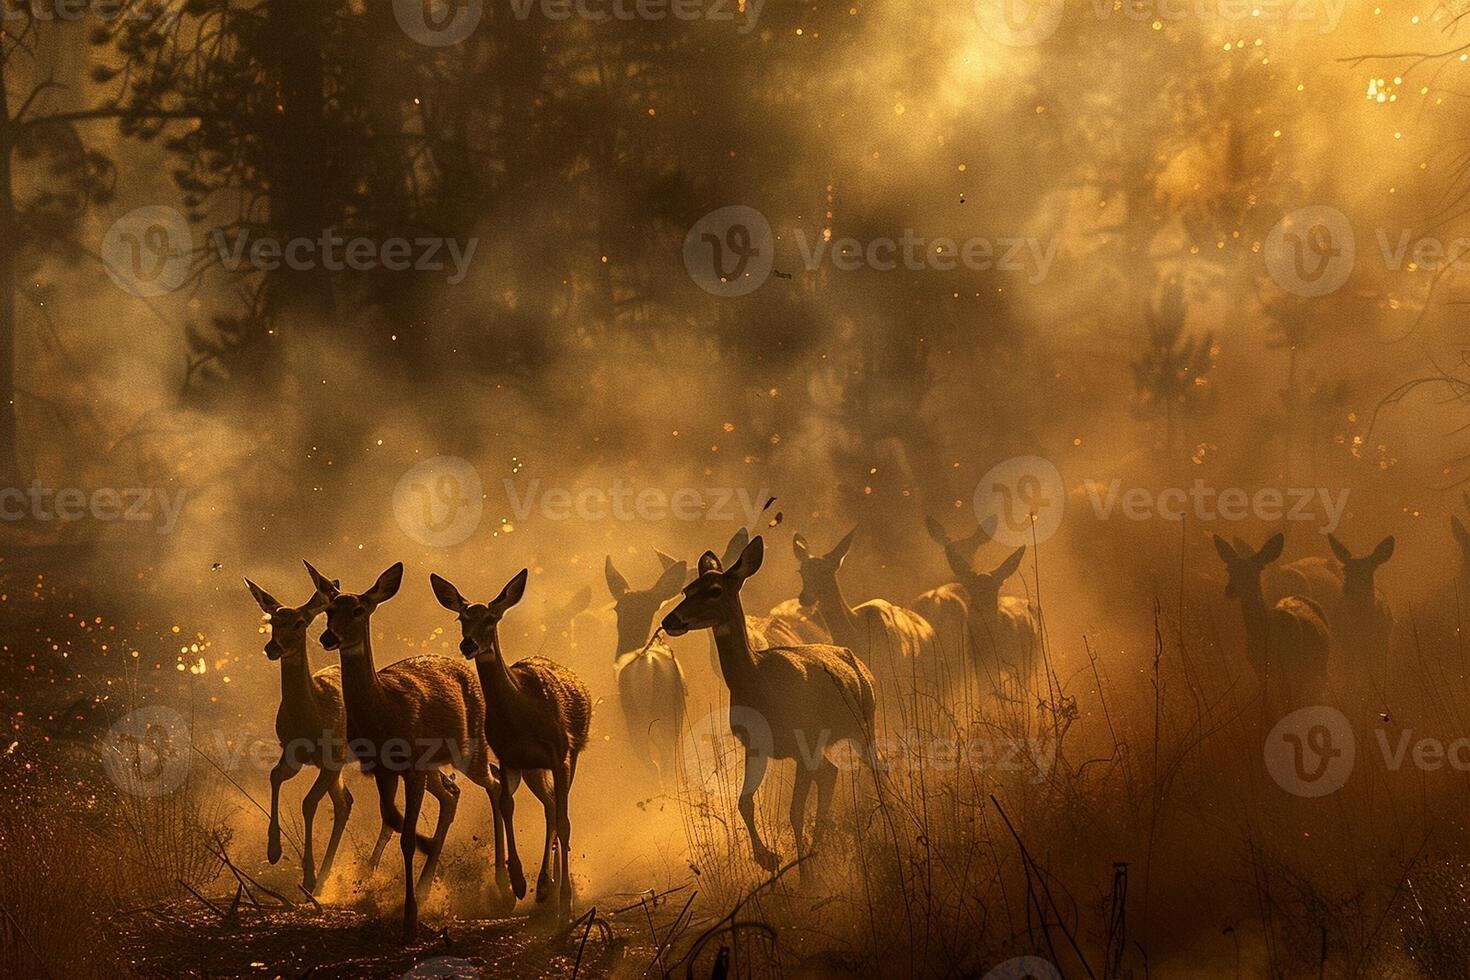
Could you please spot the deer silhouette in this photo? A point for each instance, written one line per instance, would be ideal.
(650, 681)
(786, 702)
(538, 717)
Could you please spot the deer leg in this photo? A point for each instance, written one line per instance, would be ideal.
(543, 792)
(413, 800)
(308, 816)
(799, 792)
(341, 809)
(284, 770)
(562, 785)
(510, 781)
(755, 772)
(826, 780)
(385, 833)
(447, 793)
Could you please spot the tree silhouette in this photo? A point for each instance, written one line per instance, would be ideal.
(1171, 377)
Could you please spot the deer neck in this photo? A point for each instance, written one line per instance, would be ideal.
(842, 623)
(1253, 614)
(296, 684)
(495, 678)
(733, 644)
(362, 694)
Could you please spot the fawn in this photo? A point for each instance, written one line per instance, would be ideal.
(406, 722)
(538, 716)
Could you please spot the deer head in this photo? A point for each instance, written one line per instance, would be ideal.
(714, 597)
(348, 614)
(288, 624)
(961, 549)
(478, 620)
(819, 573)
(984, 587)
(1244, 566)
(635, 608)
(1357, 573)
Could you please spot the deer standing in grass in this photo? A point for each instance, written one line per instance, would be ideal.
(947, 607)
(1362, 621)
(786, 702)
(1004, 630)
(1287, 643)
(406, 722)
(650, 681)
(876, 630)
(538, 716)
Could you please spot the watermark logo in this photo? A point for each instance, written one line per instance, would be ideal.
(439, 23)
(730, 251)
(1021, 500)
(1270, 505)
(1310, 752)
(1311, 251)
(621, 502)
(1031, 257)
(1024, 968)
(438, 503)
(148, 251)
(711, 744)
(146, 753)
(1019, 23)
(67, 504)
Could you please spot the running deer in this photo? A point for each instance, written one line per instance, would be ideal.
(650, 681)
(407, 722)
(789, 623)
(1004, 630)
(1287, 643)
(538, 716)
(875, 630)
(786, 702)
(310, 728)
(947, 607)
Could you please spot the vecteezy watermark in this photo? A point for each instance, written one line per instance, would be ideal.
(620, 502)
(438, 503)
(442, 23)
(150, 251)
(1311, 751)
(1021, 500)
(1267, 504)
(1019, 23)
(162, 13)
(1310, 251)
(46, 504)
(1030, 257)
(1024, 968)
(1024, 23)
(731, 252)
(147, 752)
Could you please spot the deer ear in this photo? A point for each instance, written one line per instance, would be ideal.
(1461, 535)
(1384, 551)
(972, 543)
(447, 594)
(733, 550)
(1242, 547)
(315, 606)
(579, 601)
(1008, 567)
(799, 547)
(958, 565)
(840, 552)
(513, 592)
(616, 584)
(327, 587)
(671, 581)
(709, 563)
(1271, 550)
(1226, 552)
(1340, 550)
(386, 587)
(264, 599)
(750, 560)
(665, 562)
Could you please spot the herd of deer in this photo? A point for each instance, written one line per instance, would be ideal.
(815, 664)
